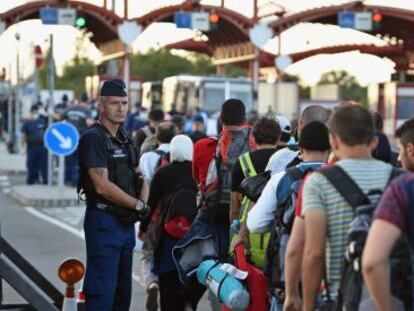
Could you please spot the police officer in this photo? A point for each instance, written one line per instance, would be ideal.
(114, 200)
(60, 108)
(80, 116)
(32, 134)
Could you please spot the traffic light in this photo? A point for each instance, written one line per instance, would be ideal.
(376, 21)
(80, 22)
(214, 20)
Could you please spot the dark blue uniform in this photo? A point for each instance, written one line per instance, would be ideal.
(36, 152)
(134, 123)
(110, 238)
(77, 116)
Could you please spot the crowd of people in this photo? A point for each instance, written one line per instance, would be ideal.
(321, 205)
(82, 114)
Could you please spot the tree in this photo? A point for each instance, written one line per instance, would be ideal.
(350, 88)
(158, 64)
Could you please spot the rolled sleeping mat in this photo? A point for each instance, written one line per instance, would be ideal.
(223, 281)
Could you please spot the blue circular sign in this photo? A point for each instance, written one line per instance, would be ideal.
(61, 138)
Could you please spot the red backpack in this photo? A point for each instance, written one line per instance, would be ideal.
(229, 146)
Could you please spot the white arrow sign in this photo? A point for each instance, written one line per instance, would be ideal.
(65, 142)
(128, 31)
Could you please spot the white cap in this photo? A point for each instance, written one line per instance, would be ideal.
(284, 123)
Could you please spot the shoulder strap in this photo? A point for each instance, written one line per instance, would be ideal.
(295, 173)
(345, 185)
(159, 152)
(147, 131)
(247, 165)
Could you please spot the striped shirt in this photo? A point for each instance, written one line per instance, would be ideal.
(319, 193)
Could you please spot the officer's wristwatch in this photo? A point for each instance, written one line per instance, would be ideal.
(141, 207)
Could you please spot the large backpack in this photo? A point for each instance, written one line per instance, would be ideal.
(217, 192)
(256, 243)
(353, 294)
(280, 233)
(173, 215)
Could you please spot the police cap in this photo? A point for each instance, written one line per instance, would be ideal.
(114, 87)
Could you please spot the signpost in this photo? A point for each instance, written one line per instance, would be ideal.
(128, 32)
(355, 20)
(182, 19)
(66, 17)
(200, 21)
(61, 139)
(259, 35)
(49, 16)
(58, 16)
(38, 63)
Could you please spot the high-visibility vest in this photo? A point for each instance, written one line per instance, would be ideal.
(257, 243)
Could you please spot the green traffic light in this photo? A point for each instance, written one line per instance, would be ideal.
(80, 22)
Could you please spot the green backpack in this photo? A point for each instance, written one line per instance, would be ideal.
(257, 243)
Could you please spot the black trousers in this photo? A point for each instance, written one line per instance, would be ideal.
(175, 296)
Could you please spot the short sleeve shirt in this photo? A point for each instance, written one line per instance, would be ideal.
(319, 193)
(397, 199)
(77, 116)
(92, 150)
(34, 130)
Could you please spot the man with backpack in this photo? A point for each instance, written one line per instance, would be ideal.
(266, 133)
(274, 211)
(289, 155)
(151, 160)
(213, 161)
(332, 199)
(144, 139)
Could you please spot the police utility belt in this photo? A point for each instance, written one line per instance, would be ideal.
(124, 214)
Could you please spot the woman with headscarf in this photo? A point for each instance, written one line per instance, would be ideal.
(173, 205)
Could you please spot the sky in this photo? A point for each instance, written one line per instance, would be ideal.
(367, 68)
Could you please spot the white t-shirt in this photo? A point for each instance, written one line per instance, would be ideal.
(280, 159)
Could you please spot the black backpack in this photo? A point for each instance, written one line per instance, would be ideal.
(353, 294)
(281, 229)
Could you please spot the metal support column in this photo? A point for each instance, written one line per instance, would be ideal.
(51, 105)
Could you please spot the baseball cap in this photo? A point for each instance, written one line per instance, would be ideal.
(284, 123)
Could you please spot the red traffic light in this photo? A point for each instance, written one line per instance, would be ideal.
(214, 18)
(377, 17)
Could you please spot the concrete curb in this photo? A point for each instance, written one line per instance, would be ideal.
(44, 196)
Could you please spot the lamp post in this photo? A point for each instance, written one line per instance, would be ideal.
(18, 97)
